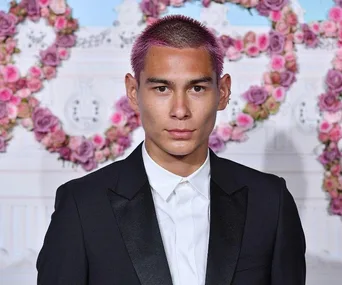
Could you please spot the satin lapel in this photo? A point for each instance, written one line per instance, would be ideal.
(228, 207)
(135, 214)
(227, 220)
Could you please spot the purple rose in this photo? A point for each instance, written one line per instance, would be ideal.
(338, 3)
(262, 9)
(311, 40)
(206, 3)
(215, 142)
(50, 56)
(43, 120)
(226, 41)
(123, 106)
(84, 152)
(329, 155)
(32, 7)
(2, 144)
(66, 41)
(287, 78)
(275, 5)
(277, 43)
(334, 80)
(89, 165)
(150, 8)
(64, 153)
(3, 110)
(329, 102)
(336, 205)
(7, 24)
(124, 141)
(256, 95)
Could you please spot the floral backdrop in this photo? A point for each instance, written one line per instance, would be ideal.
(19, 104)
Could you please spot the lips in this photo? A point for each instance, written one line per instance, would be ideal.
(181, 133)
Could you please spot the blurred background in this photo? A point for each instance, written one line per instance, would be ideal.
(286, 144)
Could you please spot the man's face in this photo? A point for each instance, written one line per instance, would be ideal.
(178, 97)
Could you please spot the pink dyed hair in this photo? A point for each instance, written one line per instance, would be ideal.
(176, 31)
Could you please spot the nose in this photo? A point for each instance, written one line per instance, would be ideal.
(180, 107)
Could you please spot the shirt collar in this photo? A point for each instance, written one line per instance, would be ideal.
(164, 182)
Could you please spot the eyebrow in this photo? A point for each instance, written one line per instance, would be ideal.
(154, 80)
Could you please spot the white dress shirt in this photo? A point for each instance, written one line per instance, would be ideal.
(182, 209)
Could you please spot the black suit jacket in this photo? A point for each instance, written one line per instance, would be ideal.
(104, 230)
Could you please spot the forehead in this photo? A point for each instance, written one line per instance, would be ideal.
(168, 61)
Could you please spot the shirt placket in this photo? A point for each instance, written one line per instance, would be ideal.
(185, 247)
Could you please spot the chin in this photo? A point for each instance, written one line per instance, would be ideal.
(180, 148)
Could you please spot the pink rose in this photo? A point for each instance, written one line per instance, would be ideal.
(239, 135)
(252, 50)
(61, 23)
(262, 42)
(27, 123)
(275, 16)
(332, 117)
(288, 45)
(106, 152)
(279, 94)
(35, 71)
(335, 14)
(34, 84)
(244, 121)
(277, 62)
(117, 149)
(238, 44)
(5, 94)
(63, 53)
(249, 38)
(291, 19)
(298, 37)
(45, 12)
(282, 27)
(99, 156)
(10, 45)
(335, 133)
(99, 141)
(176, 3)
(232, 53)
(46, 140)
(267, 78)
(328, 28)
(118, 119)
(15, 100)
(315, 27)
(339, 53)
(75, 142)
(224, 131)
(269, 88)
(337, 63)
(12, 111)
(23, 93)
(325, 127)
(49, 72)
(43, 3)
(10, 73)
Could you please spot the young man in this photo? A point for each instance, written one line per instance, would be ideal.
(173, 212)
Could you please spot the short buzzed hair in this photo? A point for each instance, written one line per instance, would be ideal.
(176, 31)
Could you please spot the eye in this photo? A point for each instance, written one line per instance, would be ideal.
(198, 88)
(161, 89)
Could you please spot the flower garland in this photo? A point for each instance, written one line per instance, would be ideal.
(330, 104)
(15, 90)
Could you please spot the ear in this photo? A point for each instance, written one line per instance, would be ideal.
(224, 90)
(132, 91)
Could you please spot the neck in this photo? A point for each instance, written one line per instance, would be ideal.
(183, 165)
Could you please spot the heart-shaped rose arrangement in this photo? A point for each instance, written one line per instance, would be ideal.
(17, 101)
(330, 104)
